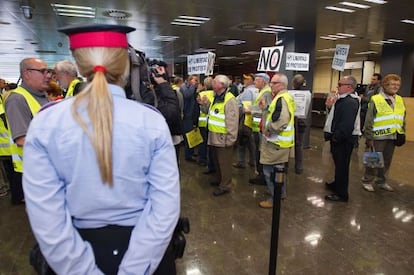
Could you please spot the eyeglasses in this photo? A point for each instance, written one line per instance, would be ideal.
(42, 71)
(343, 84)
(274, 82)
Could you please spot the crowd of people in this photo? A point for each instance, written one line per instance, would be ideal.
(101, 172)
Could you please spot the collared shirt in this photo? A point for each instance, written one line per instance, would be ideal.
(64, 190)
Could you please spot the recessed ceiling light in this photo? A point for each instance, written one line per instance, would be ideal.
(395, 40)
(337, 36)
(251, 53)
(195, 18)
(264, 31)
(339, 9)
(408, 21)
(345, 34)
(75, 15)
(74, 11)
(328, 37)
(376, 1)
(376, 42)
(386, 42)
(227, 57)
(165, 38)
(355, 5)
(191, 21)
(185, 24)
(231, 42)
(281, 27)
(367, 52)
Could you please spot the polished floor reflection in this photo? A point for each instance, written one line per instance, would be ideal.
(371, 234)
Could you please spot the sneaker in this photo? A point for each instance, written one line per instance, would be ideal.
(385, 187)
(368, 187)
(266, 204)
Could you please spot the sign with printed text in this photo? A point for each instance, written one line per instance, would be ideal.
(270, 59)
(303, 100)
(201, 63)
(297, 62)
(339, 59)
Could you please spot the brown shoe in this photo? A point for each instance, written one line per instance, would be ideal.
(266, 204)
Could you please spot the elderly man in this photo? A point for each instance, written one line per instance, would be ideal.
(278, 134)
(261, 82)
(21, 105)
(342, 130)
(384, 129)
(67, 76)
(223, 122)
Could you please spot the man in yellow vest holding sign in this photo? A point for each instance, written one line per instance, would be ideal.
(278, 134)
(223, 122)
(21, 105)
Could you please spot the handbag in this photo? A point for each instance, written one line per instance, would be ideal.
(400, 141)
(373, 159)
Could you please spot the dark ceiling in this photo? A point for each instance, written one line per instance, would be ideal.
(230, 19)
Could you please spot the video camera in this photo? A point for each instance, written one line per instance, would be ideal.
(153, 65)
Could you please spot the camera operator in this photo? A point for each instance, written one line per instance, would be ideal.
(167, 102)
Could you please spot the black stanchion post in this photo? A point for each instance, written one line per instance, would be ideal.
(277, 177)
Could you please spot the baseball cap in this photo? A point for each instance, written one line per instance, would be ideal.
(265, 76)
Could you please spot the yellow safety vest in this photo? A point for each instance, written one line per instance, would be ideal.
(202, 118)
(17, 151)
(217, 116)
(388, 121)
(256, 120)
(4, 134)
(71, 87)
(286, 138)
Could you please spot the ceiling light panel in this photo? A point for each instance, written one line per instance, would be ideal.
(408, 21)
(355, 5)
(191, 21)
(328, 37)
(339, 9)
(367, 52)
(376, 1)
(74, 11)
(231, 42)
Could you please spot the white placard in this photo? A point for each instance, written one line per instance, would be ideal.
(201, 63)
(303, 100)
(297, 62)
(270, 59)
(341, 54)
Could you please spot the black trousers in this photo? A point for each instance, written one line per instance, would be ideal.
(16, 188)
(110, 243)
(341, 153)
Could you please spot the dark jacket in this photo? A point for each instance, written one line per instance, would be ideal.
(169, 107)
(343, 122)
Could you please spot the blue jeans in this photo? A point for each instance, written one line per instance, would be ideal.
(267, 171)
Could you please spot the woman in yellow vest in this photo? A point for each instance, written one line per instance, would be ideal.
(384, 129)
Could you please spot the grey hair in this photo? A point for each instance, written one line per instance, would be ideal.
(283, 79)
(67, 66)
(223, 79)
(352, 79)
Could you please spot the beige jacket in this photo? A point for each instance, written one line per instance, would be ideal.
(270, 153)
(231, 111)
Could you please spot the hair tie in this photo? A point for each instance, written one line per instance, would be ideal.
(99, 68)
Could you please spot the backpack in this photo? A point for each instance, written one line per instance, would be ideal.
(139, 85)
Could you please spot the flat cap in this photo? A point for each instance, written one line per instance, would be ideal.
(265, 76)
(97, 35)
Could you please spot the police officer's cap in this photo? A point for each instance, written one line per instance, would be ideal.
(97, 35)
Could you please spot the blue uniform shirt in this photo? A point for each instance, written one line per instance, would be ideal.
(63, 188)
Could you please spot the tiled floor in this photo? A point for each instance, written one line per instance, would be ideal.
(371, 234)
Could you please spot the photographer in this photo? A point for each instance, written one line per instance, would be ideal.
(167, 102)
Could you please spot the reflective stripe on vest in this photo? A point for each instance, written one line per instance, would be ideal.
(217, 116)
(4, 135)
(286, 138)
(17, 151)
(388, 121)
(71, 87)
(256, 120)
(202, 118)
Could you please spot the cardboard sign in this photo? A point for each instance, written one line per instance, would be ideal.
(297, 62)
(303, 100)
(270, 59)
(201, 63)
(341, 54)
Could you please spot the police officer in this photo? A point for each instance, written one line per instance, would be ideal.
(384, 126)
(100, 177)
